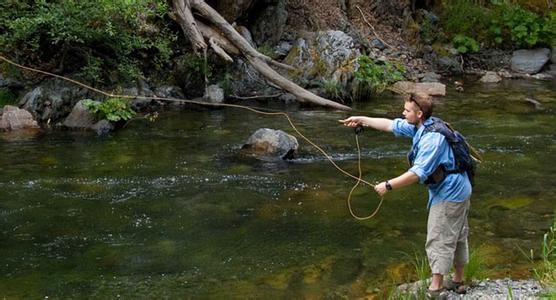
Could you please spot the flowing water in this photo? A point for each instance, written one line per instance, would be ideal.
(171, 209)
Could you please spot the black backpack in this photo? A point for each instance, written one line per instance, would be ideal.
(464, 160)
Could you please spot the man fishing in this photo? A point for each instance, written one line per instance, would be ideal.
(432, 162)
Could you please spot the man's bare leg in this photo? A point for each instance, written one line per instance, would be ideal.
(436, 283)
(458, 275)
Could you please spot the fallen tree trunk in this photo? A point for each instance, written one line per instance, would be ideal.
(227, 39)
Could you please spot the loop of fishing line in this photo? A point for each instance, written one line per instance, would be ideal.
(328, 157)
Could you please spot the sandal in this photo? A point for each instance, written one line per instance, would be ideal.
(458, 287)
(440, 294)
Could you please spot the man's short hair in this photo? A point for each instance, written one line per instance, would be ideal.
(423, 101)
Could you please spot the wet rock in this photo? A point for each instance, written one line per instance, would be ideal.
(536, 104)
(270, 142)
(447, 64)
(427, 88)
(103, 127)
(80, 117)
(214, 94)
(169, 91)
(53, 100)
(490, 77)
(14, 118)
(529, 61)
(430, 77)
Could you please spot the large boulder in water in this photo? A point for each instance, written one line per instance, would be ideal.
(529, 61)
(269, 142)
(14, 118)
(80, 117)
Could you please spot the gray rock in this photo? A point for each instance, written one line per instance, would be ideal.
(427, 88)
(53, 100)
(103, 127)
(490, 77)
(80, 117)
(376, 43)
(331, 55)
(169, 91)
(448, 64)
(283, 48)
(214, 94)
(270, 142)
(529, 61)
(430, 77)
(14, 118)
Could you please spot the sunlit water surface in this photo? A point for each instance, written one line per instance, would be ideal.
(172, 209)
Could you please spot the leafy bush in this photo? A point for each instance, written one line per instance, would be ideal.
(6, 98)
(332, 88)
(465, 44)
(113, 109)
(498, 23)
(522, 28)
(376, 77)
(88, 36)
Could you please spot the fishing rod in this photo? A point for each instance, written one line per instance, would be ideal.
(268, 112)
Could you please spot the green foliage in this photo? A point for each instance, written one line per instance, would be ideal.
(476, 268)
(466, 18)
(7, 98)
(332, 88)
(521, 28)
(498, 23)
(545, 272)
(91, 37)
(113, 109)
(374, 77)
(192, 63)
(465, 44)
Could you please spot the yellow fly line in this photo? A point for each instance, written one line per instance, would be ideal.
(328, 157)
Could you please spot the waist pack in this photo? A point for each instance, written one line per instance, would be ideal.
(464, 161)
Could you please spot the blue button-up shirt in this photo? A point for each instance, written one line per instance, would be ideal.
(434, 150)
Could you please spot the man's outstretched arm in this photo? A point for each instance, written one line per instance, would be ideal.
(381, 124)
(405, 179)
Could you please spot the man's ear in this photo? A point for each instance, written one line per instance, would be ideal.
(420, 114)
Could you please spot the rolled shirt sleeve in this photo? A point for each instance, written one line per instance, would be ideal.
(400, 127)
(429, 156)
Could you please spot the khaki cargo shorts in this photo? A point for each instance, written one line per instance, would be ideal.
(447, 231)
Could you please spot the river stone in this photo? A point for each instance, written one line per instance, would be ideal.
(80, 117)
(214, 94)
(103, 127)
(14, 118)
(53, 99)
(270, 142)
(490, 77)
(427, 88)
(529, 61)
(431, 77)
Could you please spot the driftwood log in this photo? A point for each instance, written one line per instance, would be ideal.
(227, 42)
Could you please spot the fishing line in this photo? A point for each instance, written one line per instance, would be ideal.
(258, 111)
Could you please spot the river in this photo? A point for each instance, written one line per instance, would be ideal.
(171, 209)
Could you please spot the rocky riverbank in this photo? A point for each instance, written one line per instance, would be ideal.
(495, 289)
